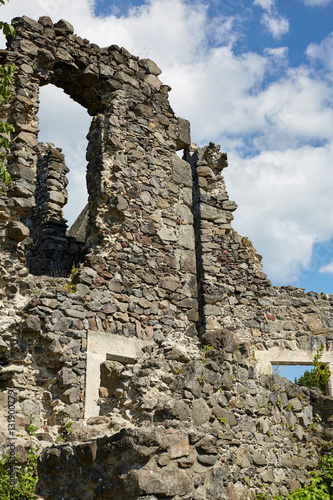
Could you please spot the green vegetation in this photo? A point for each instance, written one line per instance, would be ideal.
(203, 352)
(223, 420)
(318, 376)
(247, 243)
(67, 429)
(279, 403)
(68, 288)
(320, 487)
(6, 80)
(20, 485)
(74, 268)
(313, 427)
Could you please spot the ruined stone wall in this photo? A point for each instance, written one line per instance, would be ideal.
(235, 296)
(190, 423)
(159, 267)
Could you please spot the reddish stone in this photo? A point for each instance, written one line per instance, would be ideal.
(92, 324)
(146, 241)
(99, 281)
(109, 309)
(270, 317)
(136, 209)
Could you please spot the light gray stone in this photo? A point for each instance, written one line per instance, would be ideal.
(181, 172)
(150, 67)
(200, 412)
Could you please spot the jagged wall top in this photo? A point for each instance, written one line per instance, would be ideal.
(122, 93)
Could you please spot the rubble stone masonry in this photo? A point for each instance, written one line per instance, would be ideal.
(157, 344)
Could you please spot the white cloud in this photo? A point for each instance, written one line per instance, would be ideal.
(265, 4)
(316, 3)
(322, 52)
(278, 53)
(328, 269)
(276, 25)
(286, 205)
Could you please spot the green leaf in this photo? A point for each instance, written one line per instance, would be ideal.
(7, 29)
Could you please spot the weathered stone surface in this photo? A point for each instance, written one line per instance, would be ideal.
(17, 231)
(200, 412)
(220, 413)
(181, 172)
(150, 66)
(165, 483)
(31, 324)
(66, 376)
(184, 133)
(64, 26)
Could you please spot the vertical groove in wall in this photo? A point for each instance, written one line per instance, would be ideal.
(192, 160)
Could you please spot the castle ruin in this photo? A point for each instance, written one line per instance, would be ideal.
(157, 345)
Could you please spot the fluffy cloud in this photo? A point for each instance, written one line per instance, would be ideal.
(316, 3)
(286, 205)
(264, 4)
(323, 53)
(273, 120)
(328, 269)
(276, 25)
(71, 137)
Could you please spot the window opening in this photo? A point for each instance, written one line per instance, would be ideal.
(60, 191)
(65, 123)
(295, 371)
(266, 360)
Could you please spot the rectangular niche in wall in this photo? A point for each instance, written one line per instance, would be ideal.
(100, 347)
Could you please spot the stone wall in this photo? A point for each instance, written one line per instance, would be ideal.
(195, 424)
(158, 269)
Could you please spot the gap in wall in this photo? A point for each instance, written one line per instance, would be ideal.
(66, 123)
(291, 371)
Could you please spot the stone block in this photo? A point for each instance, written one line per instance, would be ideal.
(186, 237)
(153, 81)
(221, 413)
(31, 324)
(32, 409)
(167, 234)
(165, 483)
(181, 172)
(186, 260)
(66, 376)
(184, 134)
(200, 412)
(179, 444)
(150, 67)
(258, 459)
(17, 231)
(64, 26)
(26, 138)
(86, 453)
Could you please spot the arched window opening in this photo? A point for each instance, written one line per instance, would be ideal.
(61, 193)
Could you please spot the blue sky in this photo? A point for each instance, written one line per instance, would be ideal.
(254, 76)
